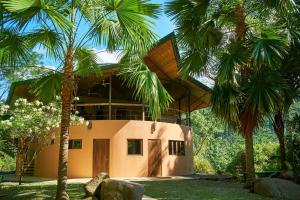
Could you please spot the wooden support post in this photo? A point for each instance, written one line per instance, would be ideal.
(179, 110)
(189, 109)
(109, 100)
(143, 115)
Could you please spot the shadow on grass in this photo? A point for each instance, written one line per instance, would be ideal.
(160, 189)
(197, 190)
(35, 191)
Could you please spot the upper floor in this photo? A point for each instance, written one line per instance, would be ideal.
(108, 98)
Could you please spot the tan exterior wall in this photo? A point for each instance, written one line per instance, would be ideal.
(120, 164)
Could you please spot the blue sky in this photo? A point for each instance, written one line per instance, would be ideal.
(163, 26)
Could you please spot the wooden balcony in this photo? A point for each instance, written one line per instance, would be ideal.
(128, 111)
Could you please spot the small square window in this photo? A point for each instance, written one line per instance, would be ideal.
(176, 148)
(135, 146)
(75, 144)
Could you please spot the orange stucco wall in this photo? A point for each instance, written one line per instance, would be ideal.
(120, 164)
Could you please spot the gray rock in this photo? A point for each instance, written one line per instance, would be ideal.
(121, 190)
(91, 186)
(278, 188)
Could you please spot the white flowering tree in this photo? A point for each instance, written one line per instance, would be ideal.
(29, 127)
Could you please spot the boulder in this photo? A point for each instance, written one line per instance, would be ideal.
(286, 174)
(278, 188)
(121, 190)
(91, 186)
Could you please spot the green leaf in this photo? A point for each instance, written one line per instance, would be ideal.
(268, 49)
(49, 39)
(86, 62)
(147, 85)
(47, 87)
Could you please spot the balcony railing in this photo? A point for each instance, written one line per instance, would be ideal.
(125, 111)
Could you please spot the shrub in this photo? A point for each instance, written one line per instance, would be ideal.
(267, 156)
(7, 163)
(237, 164)
(202, 165)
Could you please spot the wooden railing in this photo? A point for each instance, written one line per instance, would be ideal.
(127, 111)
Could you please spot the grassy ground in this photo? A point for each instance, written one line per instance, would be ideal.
(165, 189)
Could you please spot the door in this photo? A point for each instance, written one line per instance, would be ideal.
(154, 158)
(100, 156)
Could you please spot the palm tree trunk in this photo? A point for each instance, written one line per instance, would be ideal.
(250, 170)
(248, 119)
(66, 97)
(279, 130)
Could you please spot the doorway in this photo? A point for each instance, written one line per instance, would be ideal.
(100, 156)
(154, 158)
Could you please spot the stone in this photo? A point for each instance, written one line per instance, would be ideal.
(278, 188)
(288, 175)
(121, 190)
(91, 186)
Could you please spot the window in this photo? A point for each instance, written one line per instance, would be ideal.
(75, 144)
(135, 146)
(176, 148)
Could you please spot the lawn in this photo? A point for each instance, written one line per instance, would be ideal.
(162, 189)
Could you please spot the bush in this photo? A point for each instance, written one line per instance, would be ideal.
(237, 164)
(267, 157)
(7, 163)
(293, 152)
(202, 166)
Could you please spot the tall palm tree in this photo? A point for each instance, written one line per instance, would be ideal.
(67, 28)
(241, 43)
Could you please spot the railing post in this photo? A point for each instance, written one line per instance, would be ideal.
(143, 115)
(109, 101)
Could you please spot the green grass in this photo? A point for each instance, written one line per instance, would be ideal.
(164, 189)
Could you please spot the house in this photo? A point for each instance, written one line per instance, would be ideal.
(119, 136)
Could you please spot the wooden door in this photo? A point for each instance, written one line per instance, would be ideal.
(154, 158)
(100, 156)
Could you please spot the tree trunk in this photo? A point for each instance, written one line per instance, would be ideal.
(250, 169)
(279, 130)
(66, 97)
(20, 160)
(248, 119)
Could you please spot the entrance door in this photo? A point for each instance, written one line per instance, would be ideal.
(154, 158)
(100, 156)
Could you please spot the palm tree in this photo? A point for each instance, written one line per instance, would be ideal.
(241, 44)
(290, 71)
(67, 28)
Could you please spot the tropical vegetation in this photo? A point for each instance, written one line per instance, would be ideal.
(25, 131)
(242, 44)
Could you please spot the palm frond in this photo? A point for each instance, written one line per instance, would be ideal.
(47, 87)
(285, 6)
(47, 38)
(26, 11)
(193, 62)
(86, 62)
(13, 47)
(264, 91)
(231, 60)
(225, 102)
(126, 24)
(146, 84)
(268, 49)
